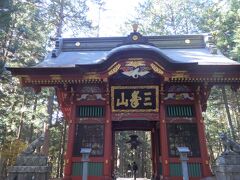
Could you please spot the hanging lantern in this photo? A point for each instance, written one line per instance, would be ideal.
(134, 142)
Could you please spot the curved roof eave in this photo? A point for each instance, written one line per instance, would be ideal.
(137, 47)
(136, 50)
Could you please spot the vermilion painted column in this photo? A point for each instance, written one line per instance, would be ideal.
(202, 138)
(70, 142)
(155, 152)
(153, 142)
(108, 140)
(163, 137)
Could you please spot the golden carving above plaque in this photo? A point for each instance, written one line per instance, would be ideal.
(218, 75)
(24, 77)
(114, 69)
(135, 63)
(91, 75)
(157, 69)
(56, 77)
(180, 74)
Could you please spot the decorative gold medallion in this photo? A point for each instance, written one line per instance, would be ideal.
(135, 37)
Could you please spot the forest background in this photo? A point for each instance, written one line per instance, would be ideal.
(27, 28)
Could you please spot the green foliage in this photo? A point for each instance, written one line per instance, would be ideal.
(223, 20)
(55, 150)
(8, 154)
(216, 120)
(169, 17)
(68, 15)
(236, 39)
(5, 16)
(22, 42)
(25, 28)
(11, 150)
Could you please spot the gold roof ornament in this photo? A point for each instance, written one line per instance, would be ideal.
(135, 27)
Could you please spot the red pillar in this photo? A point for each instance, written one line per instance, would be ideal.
(154, 155)
(108, 140)
(70, 142)
(202, 137)
(163, 138)
(155, 152)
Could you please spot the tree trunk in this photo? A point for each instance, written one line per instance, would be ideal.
(48, 123)
(224, 95)
(60, 127)
(30, 139)
(61, 17)
(45, 146)
(21, 118)
(63, 148)
(59, 151)
(2, 166)
(238, 110)
(33, 119)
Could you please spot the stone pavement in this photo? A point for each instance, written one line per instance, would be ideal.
(132, 179)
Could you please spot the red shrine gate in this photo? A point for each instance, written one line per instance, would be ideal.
(157, 83)
(173, 117)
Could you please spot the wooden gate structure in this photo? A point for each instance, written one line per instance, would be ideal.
(155, 83)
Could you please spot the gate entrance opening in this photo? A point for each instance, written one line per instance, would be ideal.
(133, 141)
